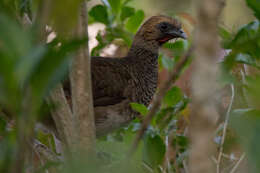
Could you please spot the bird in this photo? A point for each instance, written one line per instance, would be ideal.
(117, 82)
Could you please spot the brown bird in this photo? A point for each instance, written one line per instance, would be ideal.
(116, 82)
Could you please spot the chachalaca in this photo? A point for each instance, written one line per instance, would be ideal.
(116, 82)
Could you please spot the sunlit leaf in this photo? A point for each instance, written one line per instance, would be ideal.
(173, 96)
(135, 21)
(178, 47)
(142, 109)
(115, 5)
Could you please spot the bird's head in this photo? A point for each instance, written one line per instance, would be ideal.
(160, 29)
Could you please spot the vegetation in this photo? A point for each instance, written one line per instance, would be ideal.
(30, 69)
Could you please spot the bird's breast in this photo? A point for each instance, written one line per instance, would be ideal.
(145, 84)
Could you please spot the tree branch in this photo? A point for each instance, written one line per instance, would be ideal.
(82, 102)
(63, 118)
(175, 73)
(204, 86)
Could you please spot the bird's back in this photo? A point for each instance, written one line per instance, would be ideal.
(110, 77)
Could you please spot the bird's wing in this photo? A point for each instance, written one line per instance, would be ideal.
(109, 79)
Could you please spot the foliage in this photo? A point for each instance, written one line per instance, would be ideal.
(121, 20)
(30, 68)
(244, 49)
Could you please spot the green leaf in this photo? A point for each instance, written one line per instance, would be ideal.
(182, 141)
(255, 5)
(25, 66)
(246, 38)
(3, 124)
(127, 12)
(178, 47)
(142, 109)
(154, 150)
(115, 5)
(246, 59)
(246, 123)
(46, 139)
(99, 14)
(173, 96)
(135, 21)
(226, 36)
(253, 89)
(126, 2)
(54, 66)
(224, 33)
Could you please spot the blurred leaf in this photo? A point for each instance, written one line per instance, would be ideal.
(61, 10)
(127, 12)
(15, 42)
(54, 66)
(253, 89)
(247, 40)
(224, 33)
(178, 47)
(173, 96)
(9, 7)
(99, 14)
(135, 21)
(126, 2)
(166, 62)
(154, 150)
(246, 59)
(142, 109)
(46, 139)
(255, 5)
(115, 5)
(182, 141)
(46, 166)
(226, 36)
(246, 33)
(25, 66)
(246, 122)
(101, 44)
(3, 124)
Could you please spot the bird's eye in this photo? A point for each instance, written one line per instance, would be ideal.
(164, 26)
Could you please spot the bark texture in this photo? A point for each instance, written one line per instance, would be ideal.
(82, 103)
(204, 86)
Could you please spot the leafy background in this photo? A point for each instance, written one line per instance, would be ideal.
(30, 68)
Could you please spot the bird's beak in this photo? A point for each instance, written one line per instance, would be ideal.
(178, 33)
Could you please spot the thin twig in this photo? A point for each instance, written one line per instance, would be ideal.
(158, 98)
(225, 128)
(238, 163)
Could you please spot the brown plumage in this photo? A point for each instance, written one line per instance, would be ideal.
(116, 82)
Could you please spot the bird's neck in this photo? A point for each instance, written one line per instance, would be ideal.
(144, 51)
